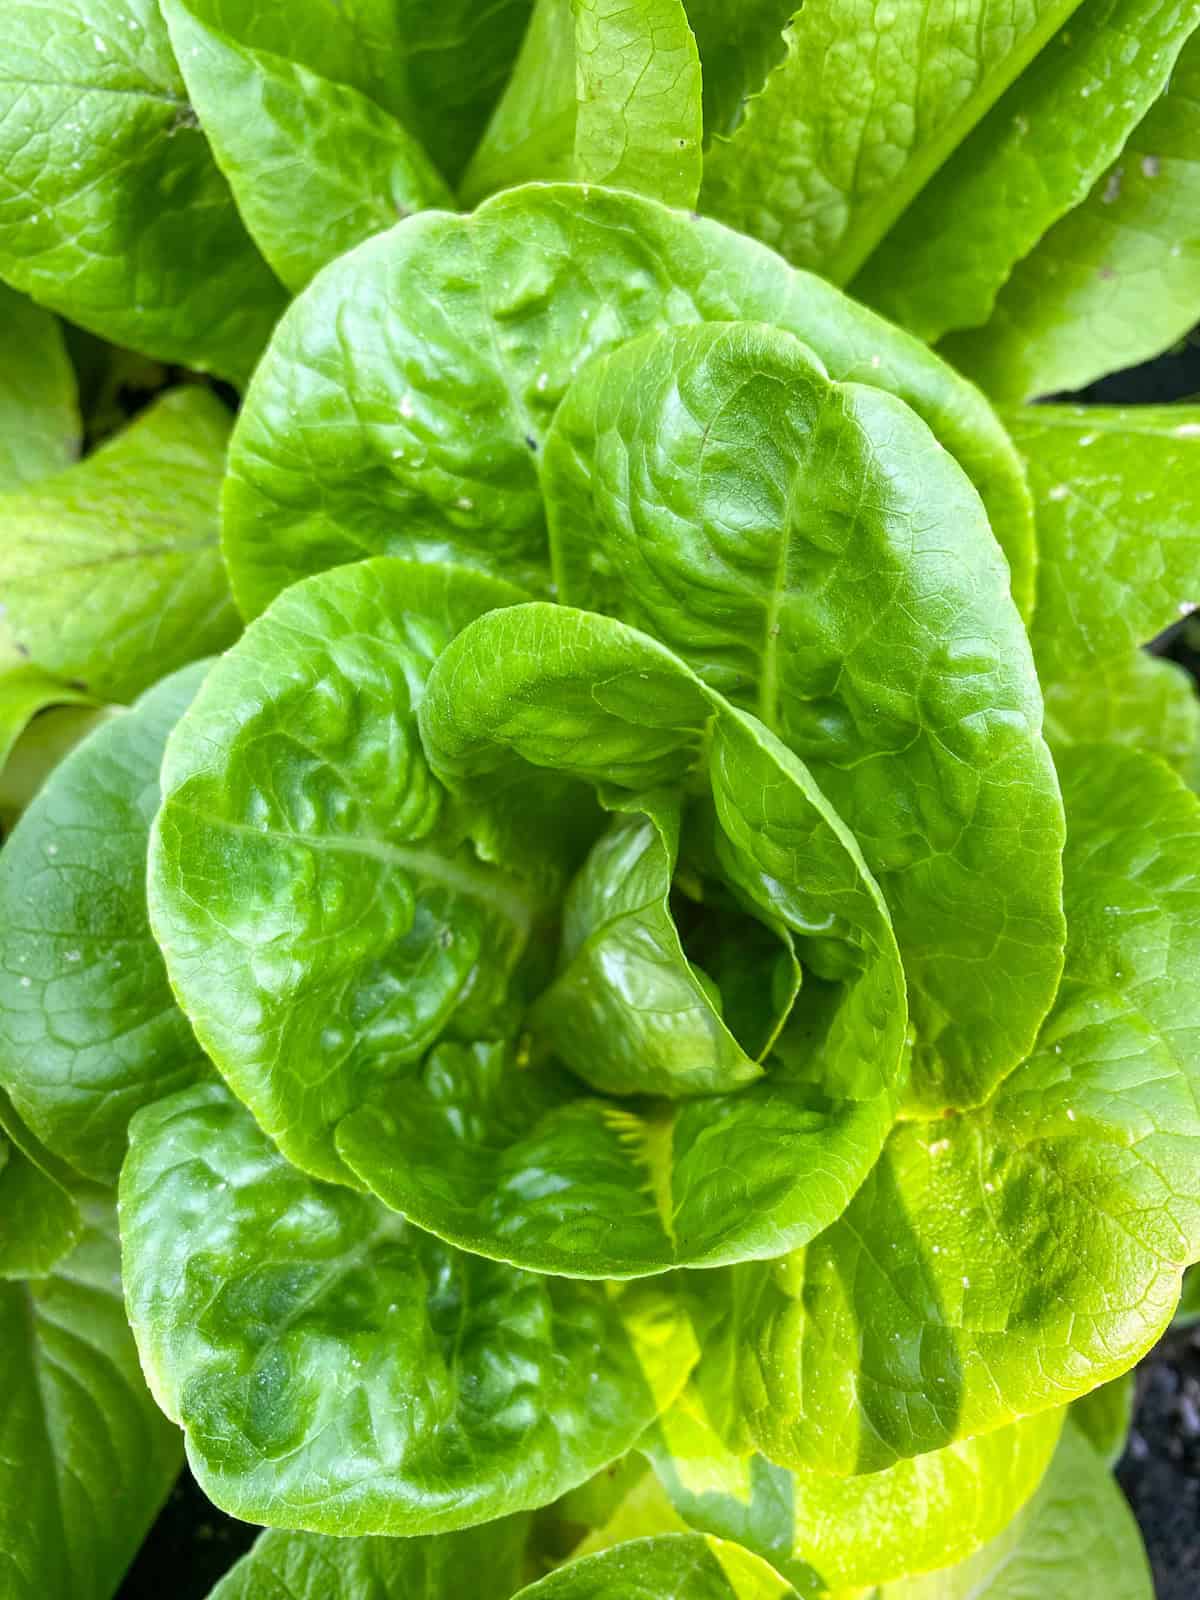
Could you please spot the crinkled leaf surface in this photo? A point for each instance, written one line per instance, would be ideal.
(912, 1517)
(89, 1029)
(812, 551)
(672, 1564)
(1033, 157)
(520, 1165)
(484, 1563)
(86, 1457)
(321, 912)
(111, 571)
(1005, 1261)
(315, 163)
(864, 109)
(39, 403)
(39, 1216)
(1077, 1536)
(631, 1012)
(403, 404)
(112, 210)
(604, 91)
(335, 1369)
(1117, 280)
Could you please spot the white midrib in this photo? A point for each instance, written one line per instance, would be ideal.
(476, 883)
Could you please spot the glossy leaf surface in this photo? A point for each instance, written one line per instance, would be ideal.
(812, 551)
(89, 1029)
(603, 92)
(520, 1166)
(109, 183)
(315, 163)
(86, 1457)
(320, 910)
(404, 402)
(1004, 1261)
(336, 1370)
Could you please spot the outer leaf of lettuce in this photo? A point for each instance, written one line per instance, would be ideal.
(603, 91)
(39, 405)
(1077, 1536)
(1004, 1261)
(89, 1029)
(912, 1517)
(86, 1457)
(1102, 478)
(322, 917)
(671, 1564)
(336, 1370)
(520, 1166)
(1033, 157)
(111, 571)
(865, 108)
(810, 550)
(403, 405)
(315, 164)
(1117, 280)
(39, 1217)
(1133, 698)
(484, 1563)
(112, 210)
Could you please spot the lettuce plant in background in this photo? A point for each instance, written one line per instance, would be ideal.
(597, 883)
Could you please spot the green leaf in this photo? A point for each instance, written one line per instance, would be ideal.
(1188, 1310)
(348, 923)
(39, 404)
(1102, 477)
(483, 1562)
(52, 734)
(112, 210)
(112, 575)
(1134, 699)
(604, 92)
(1117, 280)
(859, 116)
(517, 1164)
(1105, 1415)
(39, 1218)
(86, 1457)
(402, 406)
(25, 691)
(919, 1514)
(1002, 1262)
(1076, 1537)
(712, 486)
(1029, 161)
(314, 163)
(738, 47)
(672, 1564)
(631, 1013)
(89, 1029)
(338, 1371)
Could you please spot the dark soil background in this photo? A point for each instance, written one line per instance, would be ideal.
(192, 1544)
